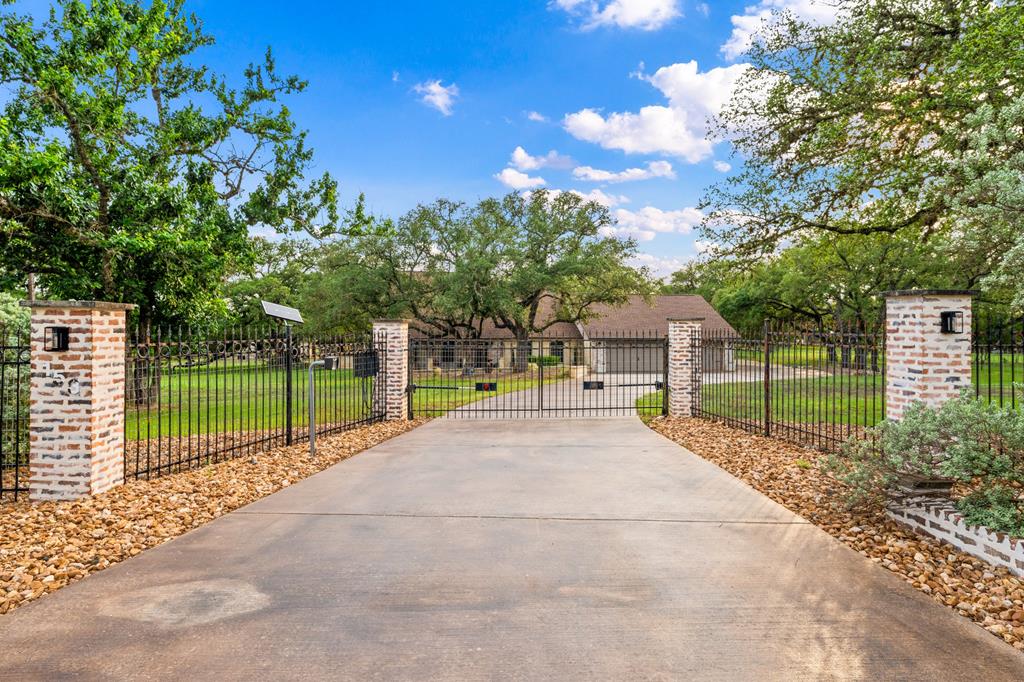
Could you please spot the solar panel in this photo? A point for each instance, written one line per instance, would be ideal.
(281, 312)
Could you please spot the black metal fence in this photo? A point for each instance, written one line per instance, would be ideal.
(193, 399)
(14, 405)
(810, 386)
(538, 377)
(998, 362)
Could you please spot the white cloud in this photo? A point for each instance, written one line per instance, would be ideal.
(662, 268)
(679, 129)
(394, 76)
(523, 161)
(536, 116)
(607, 200)
(655, 169)
(646, 15)
(510, 177)
(703, 8)
(745, 26)
(441, 97)
(645, 224)
(722, 166)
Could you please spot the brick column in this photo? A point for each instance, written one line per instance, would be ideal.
(394, 369)
(684, 366)
(921, 362)
(76, 419)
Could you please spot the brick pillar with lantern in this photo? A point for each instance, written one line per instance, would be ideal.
(927, 347)
(76, 416)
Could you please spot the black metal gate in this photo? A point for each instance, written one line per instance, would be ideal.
(14, 405)
(538, 377)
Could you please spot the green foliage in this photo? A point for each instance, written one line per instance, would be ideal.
(545, 360)
(129, 172)
(522, 264)
(824, 279)
(13, 316)
(998, 507)
(901, 118)
(965, 440)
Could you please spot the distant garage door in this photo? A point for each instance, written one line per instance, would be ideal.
(634, 357)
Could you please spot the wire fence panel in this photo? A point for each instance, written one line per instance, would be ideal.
(538, 377)
(997, 360)
(809, 386)
(15, 380)
(193, 400)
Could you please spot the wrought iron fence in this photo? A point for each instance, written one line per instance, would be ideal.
(193, 399)
(813, 387)
(14, 406)
(998, 362)
(538, 377)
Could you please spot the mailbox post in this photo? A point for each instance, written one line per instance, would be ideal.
(330, 364)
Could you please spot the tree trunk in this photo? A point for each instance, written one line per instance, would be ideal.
(523, 348)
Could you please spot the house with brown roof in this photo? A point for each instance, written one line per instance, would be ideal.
(614, 339)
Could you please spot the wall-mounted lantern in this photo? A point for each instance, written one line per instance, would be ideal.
(952, 321)
(56, 339)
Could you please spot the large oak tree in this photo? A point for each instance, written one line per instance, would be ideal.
(129, 171)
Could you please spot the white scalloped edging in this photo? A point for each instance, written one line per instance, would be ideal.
(939, 519)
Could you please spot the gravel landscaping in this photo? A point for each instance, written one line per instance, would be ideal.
(790, 475)
(46, 546)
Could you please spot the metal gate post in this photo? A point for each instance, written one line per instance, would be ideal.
(767, 380)
(411, 385)
(540, 376)
(664, 378)
(288, 384)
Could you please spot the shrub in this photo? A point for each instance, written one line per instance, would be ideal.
(965, 440)
(545, 360)
(997, 507)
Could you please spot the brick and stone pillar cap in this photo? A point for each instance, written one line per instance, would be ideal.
(76, 416)
(684, 366)
(923, 364)
(390, 398)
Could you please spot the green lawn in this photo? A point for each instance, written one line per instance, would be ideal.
(252, 398)
(247, 399)
(808, 401)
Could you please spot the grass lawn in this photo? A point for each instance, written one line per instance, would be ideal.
(252, 398)
(807, 400)
(247, 399)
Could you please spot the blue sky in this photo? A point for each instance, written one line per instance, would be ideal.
(410, 101)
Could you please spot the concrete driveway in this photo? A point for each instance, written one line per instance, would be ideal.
(503, 550)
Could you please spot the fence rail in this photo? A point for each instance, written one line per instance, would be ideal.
(998, 363)
(193, 399)
(813, 387)
(14, 405)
